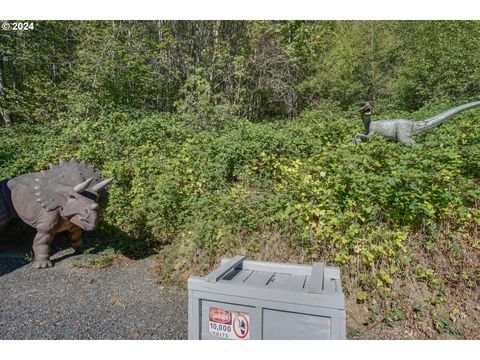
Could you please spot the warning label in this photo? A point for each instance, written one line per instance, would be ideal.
(228, 324)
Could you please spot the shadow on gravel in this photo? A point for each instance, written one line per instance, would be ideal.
(16, 244)
(10, 262)
(108, 236)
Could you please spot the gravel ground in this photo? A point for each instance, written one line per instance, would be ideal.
(72, 301)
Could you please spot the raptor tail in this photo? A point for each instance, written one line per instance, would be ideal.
(440, 118)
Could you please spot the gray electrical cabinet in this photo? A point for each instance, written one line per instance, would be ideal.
(244, 299)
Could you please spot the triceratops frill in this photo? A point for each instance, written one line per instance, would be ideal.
(63, 198)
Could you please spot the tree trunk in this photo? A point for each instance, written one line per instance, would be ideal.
(3, 110)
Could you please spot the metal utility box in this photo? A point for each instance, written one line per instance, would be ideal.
(245, 299)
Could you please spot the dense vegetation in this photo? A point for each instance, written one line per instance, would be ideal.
(235, 137)
(211, 70)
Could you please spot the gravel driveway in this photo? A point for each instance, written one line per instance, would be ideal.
(74, 300)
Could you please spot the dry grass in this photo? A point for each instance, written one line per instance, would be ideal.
(444, 305)
(441, 304)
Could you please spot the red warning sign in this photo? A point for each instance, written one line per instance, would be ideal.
(229, 324)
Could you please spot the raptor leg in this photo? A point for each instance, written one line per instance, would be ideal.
(406, 140)
(41, 249)
(362, 137)
(75, 237)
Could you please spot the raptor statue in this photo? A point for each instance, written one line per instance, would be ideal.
(402, 130)
(65, 197)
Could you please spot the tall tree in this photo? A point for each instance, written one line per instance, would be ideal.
(3, 110)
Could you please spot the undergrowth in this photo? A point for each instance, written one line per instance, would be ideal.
(297, 191)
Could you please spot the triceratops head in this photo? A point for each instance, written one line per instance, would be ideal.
(74, 188)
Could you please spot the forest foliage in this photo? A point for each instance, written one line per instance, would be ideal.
(229, 137)
(210, 70)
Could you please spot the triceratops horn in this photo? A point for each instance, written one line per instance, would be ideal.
(102, 185)
(82, 186)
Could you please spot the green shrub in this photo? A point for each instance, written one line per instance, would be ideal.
(216, 190)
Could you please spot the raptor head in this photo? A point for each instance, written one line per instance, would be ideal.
(366, 109)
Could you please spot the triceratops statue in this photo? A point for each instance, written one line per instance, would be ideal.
(62, 198)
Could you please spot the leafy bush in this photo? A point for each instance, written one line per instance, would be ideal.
(303, 180)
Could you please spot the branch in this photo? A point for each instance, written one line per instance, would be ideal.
(97, 67)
